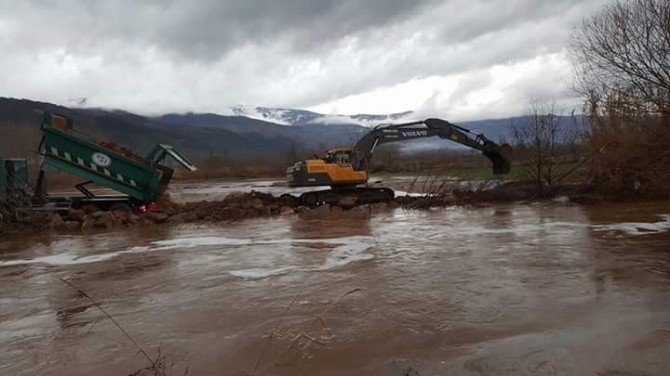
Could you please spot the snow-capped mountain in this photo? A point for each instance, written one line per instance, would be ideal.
(288, 116)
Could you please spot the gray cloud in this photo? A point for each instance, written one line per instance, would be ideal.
(204, 29)
(153, 56)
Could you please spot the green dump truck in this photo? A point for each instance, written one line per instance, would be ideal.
(140, 180)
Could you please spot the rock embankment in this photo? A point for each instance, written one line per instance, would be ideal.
(236, 206)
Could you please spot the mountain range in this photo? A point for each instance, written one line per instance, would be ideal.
(290, 116)
(246, 131)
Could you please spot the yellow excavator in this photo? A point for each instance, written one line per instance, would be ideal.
(345, 170)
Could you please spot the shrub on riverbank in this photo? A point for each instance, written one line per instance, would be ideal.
(622, 61)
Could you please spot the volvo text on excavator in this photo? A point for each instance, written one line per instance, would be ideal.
(345, 170)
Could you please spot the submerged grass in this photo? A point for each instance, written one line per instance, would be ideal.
(300, 340)
(157, 366)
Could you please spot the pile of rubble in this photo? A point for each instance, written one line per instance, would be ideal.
(236, 206)
(233, 207)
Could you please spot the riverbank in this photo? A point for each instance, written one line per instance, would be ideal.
(230, 201)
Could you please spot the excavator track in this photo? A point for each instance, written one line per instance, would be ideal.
(347, 197)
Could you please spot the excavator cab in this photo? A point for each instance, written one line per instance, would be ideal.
(339, 167)
(339, 156)
(345, 157)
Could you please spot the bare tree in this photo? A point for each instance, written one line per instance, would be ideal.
(625, 51)
(540, 136)
(622, 61)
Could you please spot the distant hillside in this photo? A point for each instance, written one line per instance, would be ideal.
(314, 136)
(195, 134)
(206, 134)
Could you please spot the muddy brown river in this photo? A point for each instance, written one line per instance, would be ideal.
(541, 289)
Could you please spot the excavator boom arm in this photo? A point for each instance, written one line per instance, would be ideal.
(499, 155)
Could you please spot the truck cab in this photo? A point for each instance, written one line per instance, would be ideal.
(13, 176)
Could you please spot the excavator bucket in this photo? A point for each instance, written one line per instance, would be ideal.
(501, 157)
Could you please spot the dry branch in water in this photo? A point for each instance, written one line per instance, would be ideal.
(436, 190)
(157, 366)
(299, 338)
(272, 334)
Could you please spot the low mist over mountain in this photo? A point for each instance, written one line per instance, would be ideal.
(195, 134)
(289, 116)
(208, 134)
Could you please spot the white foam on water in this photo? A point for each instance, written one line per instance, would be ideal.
(259, 273)
(519, 229)
(410, 194)
(636, 228)
(197, 242)
(61, 259)
(71, 258)
(347, 253)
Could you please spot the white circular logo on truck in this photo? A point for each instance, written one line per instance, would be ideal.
(102, 160)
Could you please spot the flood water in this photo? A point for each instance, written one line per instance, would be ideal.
(542, 289)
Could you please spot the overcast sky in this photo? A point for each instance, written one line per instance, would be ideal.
(460, 59)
